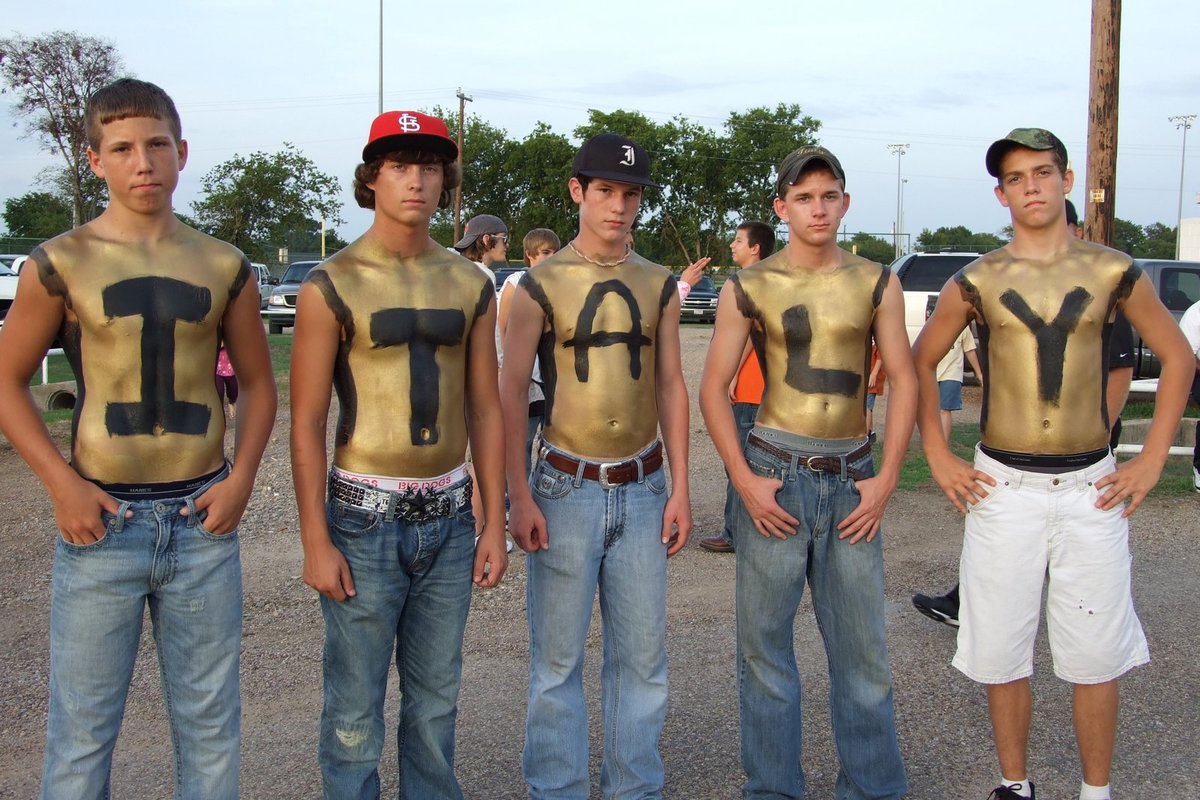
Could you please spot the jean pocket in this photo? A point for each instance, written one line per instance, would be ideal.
(351, 520)
(992, 493)
(760, 469)
(207, 534)
(109, 521)
(549, 483)
(656, 481)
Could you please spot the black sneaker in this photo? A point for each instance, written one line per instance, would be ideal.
(1005, 793)
(943, 608)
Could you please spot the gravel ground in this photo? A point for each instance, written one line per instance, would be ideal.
(942, 717)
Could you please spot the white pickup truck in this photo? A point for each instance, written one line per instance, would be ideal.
(8, 290)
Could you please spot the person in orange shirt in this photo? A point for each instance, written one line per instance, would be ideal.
(754, 242)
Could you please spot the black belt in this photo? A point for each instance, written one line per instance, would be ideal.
(410, 505)
(832, 464)
(609, 474)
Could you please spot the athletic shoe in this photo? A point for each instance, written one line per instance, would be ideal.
(1196, 478)
(1005, 793)
(942, 608)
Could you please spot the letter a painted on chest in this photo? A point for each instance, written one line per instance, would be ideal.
(585, 339)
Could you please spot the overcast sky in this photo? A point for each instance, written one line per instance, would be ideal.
(945, 78)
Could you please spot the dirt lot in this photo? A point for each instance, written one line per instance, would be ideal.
(944, 731)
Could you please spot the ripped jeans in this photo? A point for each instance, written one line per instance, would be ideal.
(413, 584)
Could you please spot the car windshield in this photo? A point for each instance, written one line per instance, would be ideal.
(296, 272)
(6, 271)
(705, 284)
(930, 273)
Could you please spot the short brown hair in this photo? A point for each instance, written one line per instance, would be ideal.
(538, 237)
(125, 98)
(368, 171)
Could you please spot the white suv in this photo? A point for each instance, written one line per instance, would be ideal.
(922, 276)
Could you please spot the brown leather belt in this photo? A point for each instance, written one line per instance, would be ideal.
(832, 464)
(609, 474)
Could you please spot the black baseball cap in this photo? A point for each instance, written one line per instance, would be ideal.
(1031, 138)
(795, 162)
(612, 157)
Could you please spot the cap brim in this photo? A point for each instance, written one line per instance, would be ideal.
(466, 241)
(619, 177)
(410, 141)
(995, 154)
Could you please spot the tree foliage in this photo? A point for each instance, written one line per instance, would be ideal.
(870, 247)
(52, 76)
(958, 237)
(265, 201)
(713, 179)
(36, 215)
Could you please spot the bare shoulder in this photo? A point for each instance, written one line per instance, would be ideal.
(209, 249)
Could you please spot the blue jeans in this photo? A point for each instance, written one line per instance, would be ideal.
(192, 582)
(743, 417)
(611, 540)
(413, 584)
(847, 592)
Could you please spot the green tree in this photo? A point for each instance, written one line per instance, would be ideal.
(1127, 236)
(52, 77)
(755, 143)
(958, 237)
(870, 247)
(37, 215)
(258, 202)
(1159, 243)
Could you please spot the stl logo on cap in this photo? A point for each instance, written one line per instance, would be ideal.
(408, 123)
(630, 155)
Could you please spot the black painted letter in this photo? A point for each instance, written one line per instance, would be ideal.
(585, 338)
(801, 375)
(424, 330)
(1051, 337)
(160, 302)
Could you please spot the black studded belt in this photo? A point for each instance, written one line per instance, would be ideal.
(410, 505)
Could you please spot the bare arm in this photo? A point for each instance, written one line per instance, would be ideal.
(315, 341)
(671, 395)
(972, 357)
(29, 330)
(956, 477)
(724, 353)
(1136, 477)
(246, 343)
(891, 338)
(525, 521)
(486, 432)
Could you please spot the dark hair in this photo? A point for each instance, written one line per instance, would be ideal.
(368, 171)
(1072, 215)
(483, 242)
(125, 98)
(761, 234)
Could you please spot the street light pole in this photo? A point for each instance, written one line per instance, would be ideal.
(899, 150)
(900, 226)
(463, 99)
(1183, 121)
(380, 56)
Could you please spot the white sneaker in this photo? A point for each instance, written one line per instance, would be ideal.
(1196, 478)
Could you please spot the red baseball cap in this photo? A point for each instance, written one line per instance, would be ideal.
(408, 130)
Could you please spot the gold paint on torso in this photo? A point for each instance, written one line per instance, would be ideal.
(611, 414)
(112, 441)
(1045, 415)
(824, 396)
(379, 298)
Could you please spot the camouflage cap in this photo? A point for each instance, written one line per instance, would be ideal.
(1032, 138)
(795, 162)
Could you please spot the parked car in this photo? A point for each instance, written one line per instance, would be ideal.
(265, 281)
(701, 302)
(280, 312)
(8, 290)
(922, 276)
(7, 259)
(1178, 286)
(502, 275)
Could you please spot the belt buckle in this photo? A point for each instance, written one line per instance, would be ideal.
(604, 468)
(806, 462)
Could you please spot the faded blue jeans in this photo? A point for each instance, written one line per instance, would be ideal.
(413, 584)
(192, 582)
(744, 415)
(847, 592)
(608, 540)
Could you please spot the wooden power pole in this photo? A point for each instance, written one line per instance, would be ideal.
(462, 107)
(1102, 122)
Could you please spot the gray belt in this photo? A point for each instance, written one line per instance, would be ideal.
(410, 505)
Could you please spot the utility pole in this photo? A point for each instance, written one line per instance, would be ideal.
(463, 99)
(899, 150)
(1102, 122)
(380, 56)
(1181, 121)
